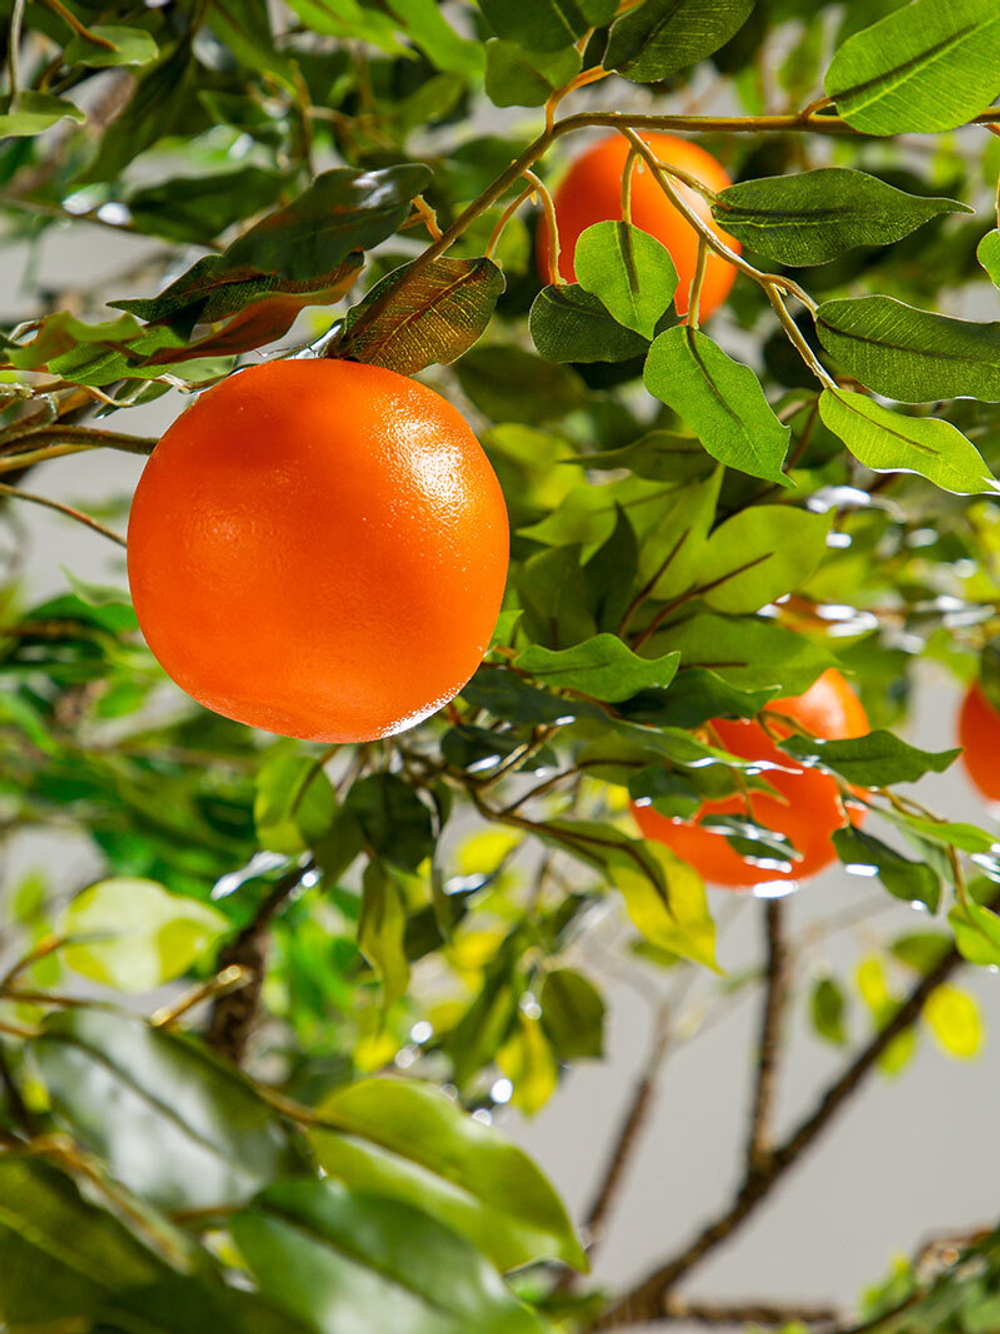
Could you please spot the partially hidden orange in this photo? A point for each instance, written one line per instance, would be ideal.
(979, 737)
(590, 192)
(319, 548)
(808, 806)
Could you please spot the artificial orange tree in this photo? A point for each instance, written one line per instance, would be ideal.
(582, 448)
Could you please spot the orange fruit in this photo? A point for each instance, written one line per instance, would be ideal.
(979, 736)
(591, 192)
(807, 810)
(319, 548)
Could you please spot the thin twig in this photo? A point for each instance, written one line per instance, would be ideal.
(775, 1006)
(750, 1313)
(17, 494)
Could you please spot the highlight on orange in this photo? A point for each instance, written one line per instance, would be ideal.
(807, 809)
(979, 737)
(319, 548)
(590, 192)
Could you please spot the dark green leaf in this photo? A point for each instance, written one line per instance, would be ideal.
(172, 1307)
(660, 456)
(381, 930)
(553, 593)
(659, 38)
(602, 667)
(876, 760)
(428, 28)
(629, 271)
(610, 573)
(516, 77)
(815, 216)
(199, 208)
(508, 696)
(827, 1008)
(508, 384)
(568, 324)
(546, 25)
(886, 441)
(721, 400)
(913, 882)
(911, 355)
(572, 1015)
(924, 68)
(697, 694)
(396, 823)
(746, 653)
(406, 1140)
(173, 1125)
(921, 950)
(436, 317)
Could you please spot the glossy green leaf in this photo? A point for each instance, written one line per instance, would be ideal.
(603, 667)
(913, 882)
(568, 324)
(977, 933)
(924, 68)
(516, 77)
(816, 216)
(382, 930)
(436, 317)
(342, 1260)
(760, 554)
(406, 1140)
(129, 46)
(887, 441)
(34, 113)
(658, 38)
(629, 271)
(428, 28)
(954, 1017)
(609, 576)
(546, 25)
(173, 1305)
(721, 400)
(173, 1125)
(198, 208)
(878, 759)
(509, 384)
(395, 822)
(508, 696)
(911, 355)
(827, 1006)
(553, 593)
(988, 254)
(572, 1014)
(294, 803)
(133, 935)
(746, 653)
(698, 694)
(62, 1256)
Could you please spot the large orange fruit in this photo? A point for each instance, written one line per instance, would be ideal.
(807, 810)
(979, 737)
(591, 192)
(319, 548)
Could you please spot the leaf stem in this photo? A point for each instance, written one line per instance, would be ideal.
(551, 228)
(697, 283)
(79, 28)
(13, 52)
(17, 494)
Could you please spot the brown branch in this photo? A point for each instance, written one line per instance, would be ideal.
(772, 1023)
(234, 1015)
(647, 1301)
(750, 1313)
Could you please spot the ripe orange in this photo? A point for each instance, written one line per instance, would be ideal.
(979, 735)
(808, 809)
(591, 192)
(319, 548)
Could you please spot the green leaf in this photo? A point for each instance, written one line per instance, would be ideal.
(395, 822)
(747, 653)
(911, 355)
(878, 759)
(341, 1260)
(199, 208)
(169, 1307)
(294, 803)
(816, 216)
(609, 575)
(546, 25)
(602, 667)
(516, 77)
(406, 1140)
(657, 39)
(134, 935)
(512, 699)
(174, 1126)
(698, 694)
(913, 882)
(629, 271)
(34, 113)
(921, 950)
(572, 1015)
(720, 400)
(926, 67)
(352, 21)
(659, 456)
(436, 317)
(428, 29)
(953, 1016)
(508, 384)
(129, 46)
(988, 254)
(553, 592)
(977, 933)
(568, 324)
(827, 1007)
(675, 916)
(62, 1256)
(886, 441)
(760, 554)
(382, 929)
(244, 26)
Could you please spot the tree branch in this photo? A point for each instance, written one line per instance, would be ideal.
(751, 1313)
(772, 1022)
(234, 1015)
(647, 1301)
